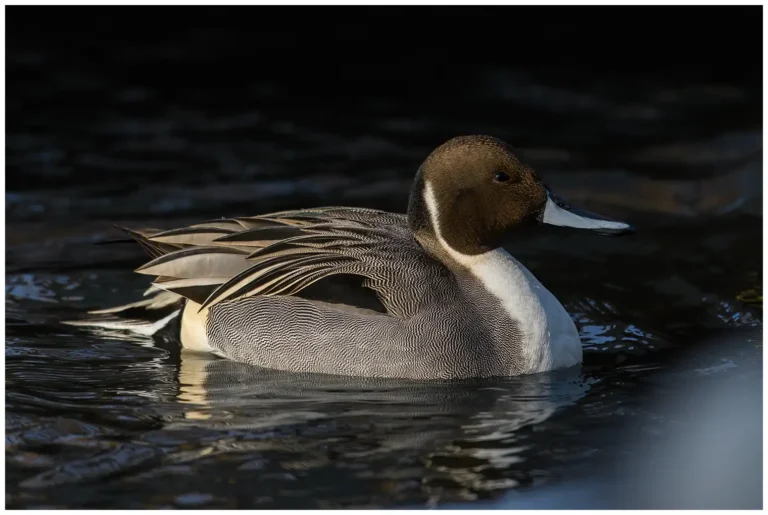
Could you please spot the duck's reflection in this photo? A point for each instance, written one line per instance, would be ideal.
(460, 437)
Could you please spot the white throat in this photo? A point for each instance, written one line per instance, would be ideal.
(550, 339)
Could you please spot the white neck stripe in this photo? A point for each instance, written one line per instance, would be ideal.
(431, 201)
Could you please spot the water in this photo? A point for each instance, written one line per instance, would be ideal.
(107, 420)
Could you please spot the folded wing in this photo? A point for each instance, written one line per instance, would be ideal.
(284, 253)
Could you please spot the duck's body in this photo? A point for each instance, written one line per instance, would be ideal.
(442, 320)
(450, 303)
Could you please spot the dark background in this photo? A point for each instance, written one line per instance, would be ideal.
(396, 50)
(330, 66)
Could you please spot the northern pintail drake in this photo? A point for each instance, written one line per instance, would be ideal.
(287, 290)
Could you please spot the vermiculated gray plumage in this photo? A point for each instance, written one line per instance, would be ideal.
(437, 322)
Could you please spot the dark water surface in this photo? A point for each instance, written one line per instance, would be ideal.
(108, 420)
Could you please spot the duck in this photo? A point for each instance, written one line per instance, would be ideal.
(352, 291)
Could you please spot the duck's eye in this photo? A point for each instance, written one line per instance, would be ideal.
(500, 177)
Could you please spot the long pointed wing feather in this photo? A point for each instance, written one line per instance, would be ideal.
(258, 236)
(196, 289)
(141, 236)
(197, 262)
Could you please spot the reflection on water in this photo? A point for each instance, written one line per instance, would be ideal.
(464, 433)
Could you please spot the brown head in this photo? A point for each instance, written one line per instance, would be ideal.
(472, 192)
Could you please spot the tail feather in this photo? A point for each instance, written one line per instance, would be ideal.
(134, 325)
(149, 315)
(145, 317)
(156, 303)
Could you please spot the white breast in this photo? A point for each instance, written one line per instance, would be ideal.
(550, 338)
